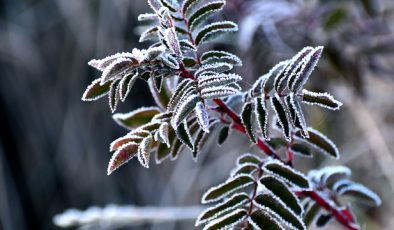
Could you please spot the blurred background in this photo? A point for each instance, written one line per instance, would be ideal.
(54, 147)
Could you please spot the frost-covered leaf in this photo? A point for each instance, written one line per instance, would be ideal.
(126, 84)
(176, 148)
(181, 88)
(361, 194)
(261, 113)
(204, 12)
(311, 213)
(324, 100)
(247, 120)
(189, 6)
(144, 151)
(96, 91)
(277, 208)
(214, 56)
(170, 4)
(164, 132)
(267, 81)
(300, 150)
(249, 158)
(296, 114)
(218, 92)
(261, 220)
(227, 205)
(282, 116)
(218, 80)
(223, 134)
(102, 64)
(154, 52)
(220, 191)
(214, 30)
(244, 169)
(149, 34)
(185, 108)
(116, 144)
(170, 61)
(227, 221)
(158, 83)
(277, 142)
(216, 67)
(279, 189)
(163, 97)
(155, 5)
(287, 173)
(173, 42)
(136, 118)
(320, 142)
(147, 17)
(186, 45)
(296, 64)
(163, 150)
(202, 116)
(182, 132)
(201, 138)
(113, 95)
(307, 68)
(117, 68)
(121, 156)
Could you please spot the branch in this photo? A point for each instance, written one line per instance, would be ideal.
(117, 216)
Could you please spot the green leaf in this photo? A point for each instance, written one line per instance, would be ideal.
(136, 118)
(164, 151)
(126, 84)
(96, 91)
(296, 114)
(282, 116)
(184, 109)
(203, 13)
(287, 173)
(301, 150)
(227, 221)
(244, 169)
(214, 30)
(323, 220)
(296, 65)
(249, 158)
(180, 90)
(279, 209)
(121, 156)
(113, 95)
(201, 138)
(219, 192)
(189, 5)
(214, 56)
(311, 213)
(228, 205)
(161, 98)
(189, 62)
(280, 190)
(247, 117)
(223, 134)
(268, 80)
(324, 100)
(263, 221)
(261, 114)
(149, 34)
(144, 151)
(320, 142)
(361, 193)
(277, 142)
(182, 132)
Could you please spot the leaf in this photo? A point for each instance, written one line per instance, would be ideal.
(276, 207)
(144, 151)
(213, 30)
(202, 116)
(268, 80)
(176, 148)
(214, 56)
(102, 64)
(172, 41)
(307, 68)
(244, 169)
(331, 174)
(164, 132)
(220, 191)
(182, 132)
(361, 193)
(147, 17)
(204, 12)
(218, 92)
(185, 108)
(155, 5)
(249, 158)
(277, 142)
(181, 88)
(300, 150)
(158, 83)
(171, 5)
(200, 139)
(216, 67)
(223, 134)
(96, 91)
(161, 98)
(117, 68)
(324, 100)
(116, 144)
(113, 95)
(282, 116)
(296, 114)
(126, 84)
(136, 118)
(186, 45)
(261, 114)
(227, 221)
(296, 64)
(121, 156)
(189, 5)
(287, 173)
(323, 220)
(149, 34)
(261, 220)
(311, 213)
(279, 189)
(218, 80)
(228, 205)
(320, 142)
(189, 62)
(154, 52)
(246, 116)
(164, 151)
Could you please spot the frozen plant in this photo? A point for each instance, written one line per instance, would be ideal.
(195, 92)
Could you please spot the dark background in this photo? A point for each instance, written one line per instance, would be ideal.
(54, 147)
